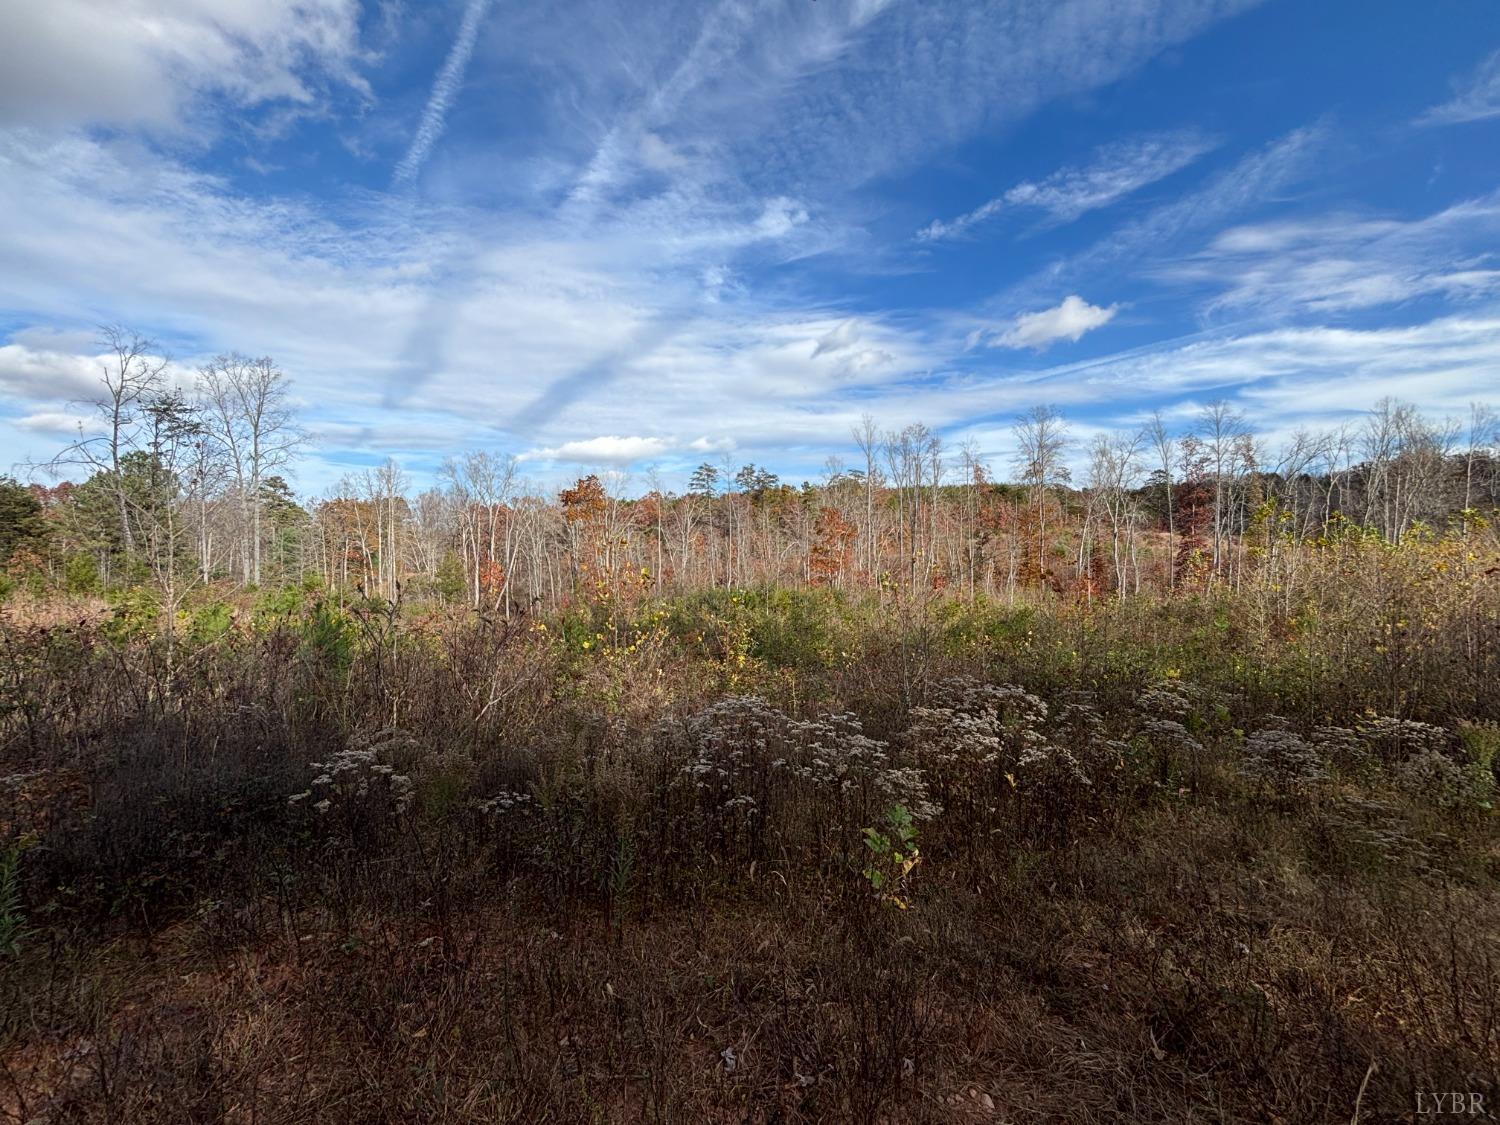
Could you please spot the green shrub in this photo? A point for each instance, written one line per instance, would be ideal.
(209, 622)
(135, 613)
(328, 636)
(81, 574)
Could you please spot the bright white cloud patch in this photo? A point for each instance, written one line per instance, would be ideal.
(144, 62)
(40, 375)
(602, 450)
(1068, 321)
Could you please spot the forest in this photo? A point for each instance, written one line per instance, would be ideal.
(1145, 775)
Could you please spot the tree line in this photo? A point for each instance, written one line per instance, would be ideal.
(184, 485)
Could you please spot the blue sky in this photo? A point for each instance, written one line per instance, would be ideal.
(624, 236)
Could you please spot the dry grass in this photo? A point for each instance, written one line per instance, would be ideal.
(1169, 939)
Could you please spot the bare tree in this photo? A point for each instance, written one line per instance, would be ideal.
(131, 370)
(1166, 451)
(1230, 457)
(173, 433)
(1041, 442)
(481, 485)
(867, 437)
(254, 424)
(976, 475)
(1483, 427)
(915, 459)
(1114, 467)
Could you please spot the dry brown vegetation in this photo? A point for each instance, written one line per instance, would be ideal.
(1181, 858)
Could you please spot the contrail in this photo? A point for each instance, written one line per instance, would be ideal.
(449, 79)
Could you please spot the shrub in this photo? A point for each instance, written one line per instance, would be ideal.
(328, 638)
(1481, 741)
(209, 622)
(760, 776)
(81, 574)
(1436, 779)
(1283, 761)
(1393, 740)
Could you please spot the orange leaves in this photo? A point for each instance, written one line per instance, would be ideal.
(585, 501)
(492, 578)
(833, 545)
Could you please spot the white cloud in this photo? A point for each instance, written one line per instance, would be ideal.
(659, 156)
(780, 217)
(38, 375)
(937, 230)
(57, 423)
(1475, 99)
(706, 444)
(1116, 170)
(1068, 321)
(1341, 262)
(146, 62)
(601, 450)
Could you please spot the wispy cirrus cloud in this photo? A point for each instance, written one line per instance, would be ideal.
(444, 89)
(811, 100)
(1313, 373)
(1153, 242)
(1255, 180)
(1342, 262)
(886, 90)
(1115, 171)
(1475, 98)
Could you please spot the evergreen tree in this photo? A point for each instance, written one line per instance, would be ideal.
(21, 520)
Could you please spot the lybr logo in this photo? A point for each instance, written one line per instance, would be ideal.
(1433, 1102)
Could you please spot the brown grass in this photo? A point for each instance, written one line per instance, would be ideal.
(1172, 942)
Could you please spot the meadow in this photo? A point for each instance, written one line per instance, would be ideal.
(758, 853)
